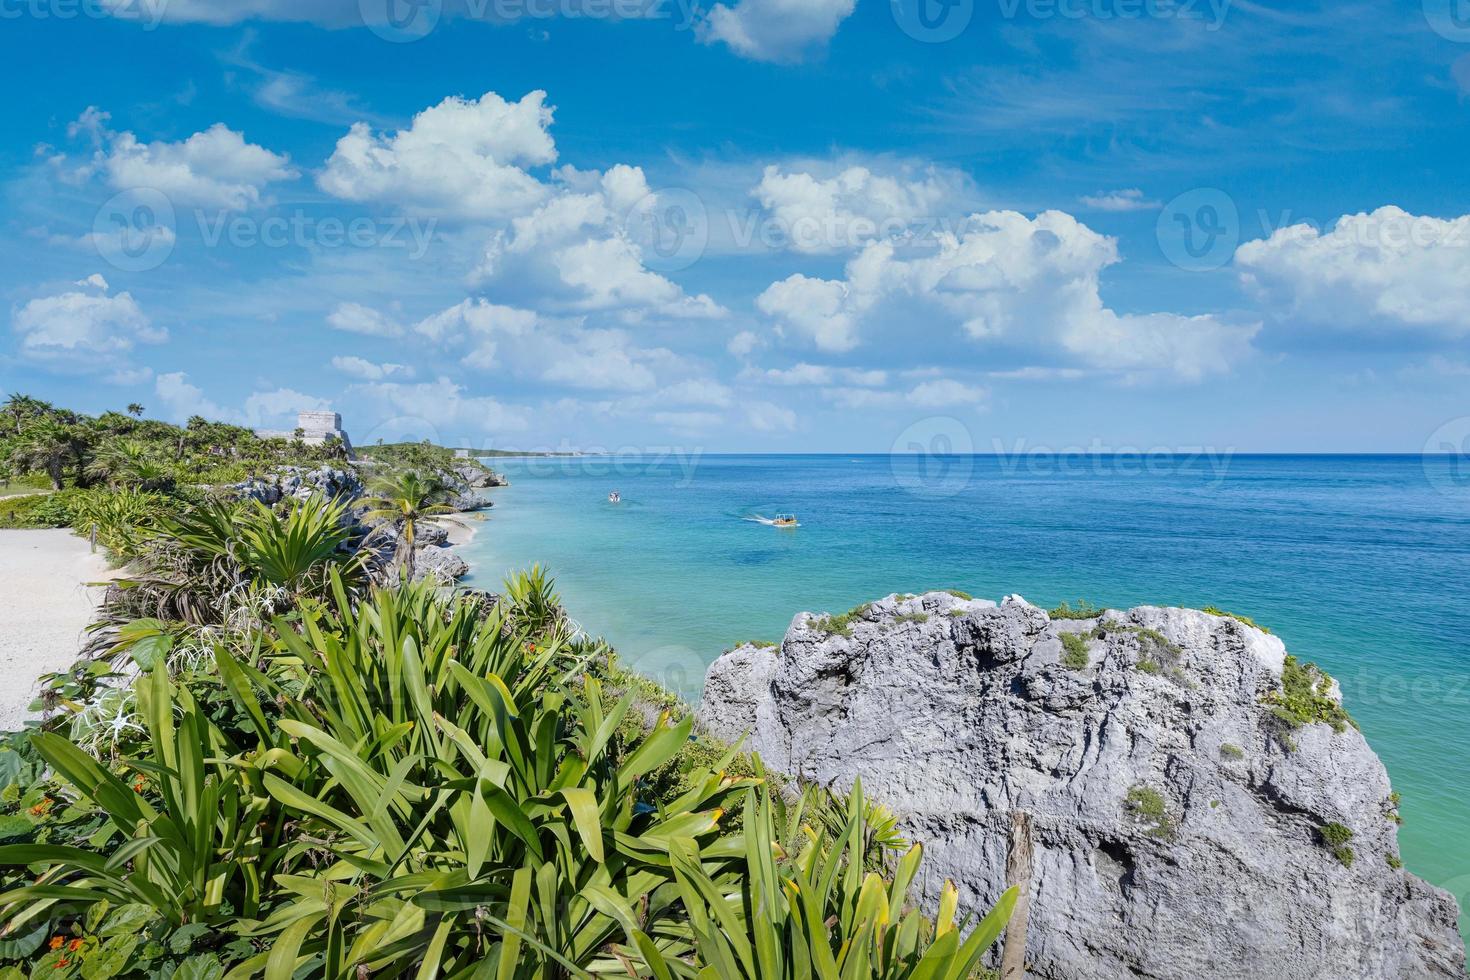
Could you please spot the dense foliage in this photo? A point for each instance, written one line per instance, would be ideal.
(122, 449)
(395, 782)
(265, 764)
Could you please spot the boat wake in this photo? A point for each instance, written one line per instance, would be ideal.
(768, 521)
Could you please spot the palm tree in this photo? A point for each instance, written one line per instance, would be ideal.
(135, 410)
(408, 498)
(46, 445)
(21, 407)
(128, 461)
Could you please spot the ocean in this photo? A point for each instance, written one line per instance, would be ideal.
(1359, 563)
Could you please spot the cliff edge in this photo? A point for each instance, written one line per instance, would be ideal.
(1201, 805)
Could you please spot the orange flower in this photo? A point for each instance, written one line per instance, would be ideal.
(62, 962)
(74, 945)
(56, 942)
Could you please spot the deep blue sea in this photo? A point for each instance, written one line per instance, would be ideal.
(1360, 563)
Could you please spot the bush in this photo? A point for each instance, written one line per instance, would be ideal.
(1083, 610)
(841, 625)
(41, 510)
(1075, 653)
(1304, 698)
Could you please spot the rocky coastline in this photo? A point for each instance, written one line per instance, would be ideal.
(1201, 805)
(436, 545)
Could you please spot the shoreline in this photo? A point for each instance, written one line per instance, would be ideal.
(52, 584)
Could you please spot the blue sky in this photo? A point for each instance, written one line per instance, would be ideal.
(785, 225)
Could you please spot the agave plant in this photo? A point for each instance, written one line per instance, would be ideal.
(123, 519)
(823, 918)
(465, 779)
(190, 829)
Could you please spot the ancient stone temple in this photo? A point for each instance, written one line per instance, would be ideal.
(316, 428)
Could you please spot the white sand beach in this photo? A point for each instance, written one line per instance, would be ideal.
(45, 605)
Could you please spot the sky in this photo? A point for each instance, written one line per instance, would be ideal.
(756, 225)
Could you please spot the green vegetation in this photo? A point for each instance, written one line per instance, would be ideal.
(1335, 837)
(1215, 611)
(408, 498)
(1393, 861)
(60, 448)
(1305, 699)
(913, 617)
(400, 783)
(1083, 610)
(959, 594)
(1234, 752)
(1075, 655)
(1148, 667)
(841, 625)
(1148, 809)
(265, 765)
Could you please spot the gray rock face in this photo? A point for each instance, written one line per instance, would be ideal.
(299, 482)
(440, 564)
(477, 477)
(1178, 824)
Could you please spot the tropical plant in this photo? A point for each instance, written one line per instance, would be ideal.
(408, 498)
(22, 407)
(223, 558)
(48, 444)
(129, 462)
(135, 410)
(820, 916)
(123, 519)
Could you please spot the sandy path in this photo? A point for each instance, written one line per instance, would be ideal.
(44, 607)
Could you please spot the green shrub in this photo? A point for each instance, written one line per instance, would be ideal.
(1147, 807)
(1232, 751)
(1393, 861)
(1083, 610)
(41, 510)
(1304, 698)
(1335, 836)
(913, 617)
(958, 594)
(1075, 655)
(841, 625)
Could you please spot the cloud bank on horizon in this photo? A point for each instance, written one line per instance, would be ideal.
(486, 259)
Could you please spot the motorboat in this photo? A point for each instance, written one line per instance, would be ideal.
(614, 498)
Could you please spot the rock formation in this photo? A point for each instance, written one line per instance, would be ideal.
(1187, 822)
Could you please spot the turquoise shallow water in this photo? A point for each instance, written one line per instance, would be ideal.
(1359, 563)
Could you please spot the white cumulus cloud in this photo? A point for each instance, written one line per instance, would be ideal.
(775, 30)
(464, 158)
(1372, 272)
(84, 328)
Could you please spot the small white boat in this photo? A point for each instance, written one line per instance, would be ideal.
(785, 520)
(614, 498)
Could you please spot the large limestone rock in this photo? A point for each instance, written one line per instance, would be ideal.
(1178, 824)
